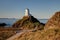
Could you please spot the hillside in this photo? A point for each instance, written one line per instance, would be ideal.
(28, 22)
(52, 32)
(54, 21)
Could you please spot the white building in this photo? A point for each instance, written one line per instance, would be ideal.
(27, 13)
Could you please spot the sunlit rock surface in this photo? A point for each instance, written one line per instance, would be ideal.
(54, 21)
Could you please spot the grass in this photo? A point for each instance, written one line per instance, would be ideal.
(50, 34)
(7, 32)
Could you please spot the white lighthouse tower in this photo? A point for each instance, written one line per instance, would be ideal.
(27, 12)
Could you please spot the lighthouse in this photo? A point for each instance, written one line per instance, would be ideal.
(27, 13)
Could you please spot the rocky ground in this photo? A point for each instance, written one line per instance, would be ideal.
(28, 22)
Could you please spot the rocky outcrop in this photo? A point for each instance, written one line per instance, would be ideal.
(54, 21)
(2, 24)
(28, 22)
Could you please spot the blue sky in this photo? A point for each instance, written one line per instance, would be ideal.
(38, 8)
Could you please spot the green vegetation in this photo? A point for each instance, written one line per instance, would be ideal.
(28, 23)
(6, 34)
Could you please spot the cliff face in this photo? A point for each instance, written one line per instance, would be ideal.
(53, 22)
(28, 22)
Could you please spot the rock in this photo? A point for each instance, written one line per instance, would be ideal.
(28, 22)
(54, 21)
(2, 24)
